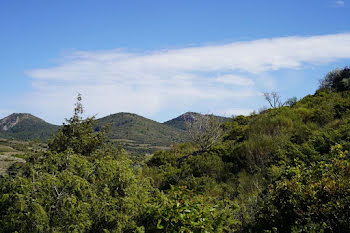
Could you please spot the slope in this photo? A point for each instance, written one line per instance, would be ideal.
(180, 121)
(139, 134)
(24, 126)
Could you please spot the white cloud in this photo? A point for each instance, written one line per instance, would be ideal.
(146, 83)
(251, 56)
(340, 3)
(236, 112)
(234, 80)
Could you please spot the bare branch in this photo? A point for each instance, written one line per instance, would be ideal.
(204, 130)
(274, 99)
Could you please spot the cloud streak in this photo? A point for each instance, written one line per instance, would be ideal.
(147, 83)
(340, 3)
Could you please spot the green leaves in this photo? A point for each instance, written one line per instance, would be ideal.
(80, 184)
(310, 198)
(182, 211)
(78, 134)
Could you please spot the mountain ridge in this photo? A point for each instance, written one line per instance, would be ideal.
(25, 126)
(136, 133)
(180, 121)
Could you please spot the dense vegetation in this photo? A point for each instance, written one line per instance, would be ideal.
(136, 134)
(180, 121)
(25, 126)
(140, 135)
(286, 169)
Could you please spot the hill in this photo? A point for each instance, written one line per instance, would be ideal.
(24, 126)
(139, 134)
(180, 121)
(285, 169)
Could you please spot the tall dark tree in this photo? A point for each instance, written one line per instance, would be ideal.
(336, 80)
(78, 134)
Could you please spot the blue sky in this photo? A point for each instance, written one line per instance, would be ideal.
(162, 58)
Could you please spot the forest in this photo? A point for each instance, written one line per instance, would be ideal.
(284, 169)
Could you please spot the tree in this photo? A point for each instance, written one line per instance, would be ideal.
(181, 210)
(204, 130)
(336, 80)
(311, 198)
(274, 99)
(291, 101)
(78, 134)
(80, 184)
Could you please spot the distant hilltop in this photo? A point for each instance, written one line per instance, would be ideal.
(137, 134)
(24, 126)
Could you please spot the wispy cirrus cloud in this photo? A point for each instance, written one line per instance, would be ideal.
(230, 79)
(177, 79)
(339, 3)
(236, 112)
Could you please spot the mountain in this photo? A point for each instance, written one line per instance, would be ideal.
(24, 126)
(180, 121)
(139, 134)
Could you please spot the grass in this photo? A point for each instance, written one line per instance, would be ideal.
(12, 151)
(4, 148)
(6, 161)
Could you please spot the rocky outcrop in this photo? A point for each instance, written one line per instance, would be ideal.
(10, 121)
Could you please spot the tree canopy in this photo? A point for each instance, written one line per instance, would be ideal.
(285, 169)
(80, 184)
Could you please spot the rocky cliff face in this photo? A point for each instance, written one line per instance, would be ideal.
(12, 120)
(24, 126)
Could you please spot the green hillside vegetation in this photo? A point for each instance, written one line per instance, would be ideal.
(180, 121)
(14, 151)
(138, 134)
(283, 170)
(23, 126)
(77, 185)
(286, 169)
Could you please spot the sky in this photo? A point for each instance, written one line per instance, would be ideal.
(162, 58)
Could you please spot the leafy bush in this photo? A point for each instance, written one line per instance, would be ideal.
(183, 211)
(310, 198)
(336, 80)
(80, 184)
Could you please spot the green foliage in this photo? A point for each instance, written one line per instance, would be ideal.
(180, 121)
(311, 198)
(291, 101)
(336, 80)
(80, 184)
(78, 134)
(26, 127)
(273, 167)
(183, 211)
(140, 135)
(286, 169)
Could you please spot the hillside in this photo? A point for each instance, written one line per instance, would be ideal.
(180, 121)
(139, 134)
(285, 169)
(24, 126)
